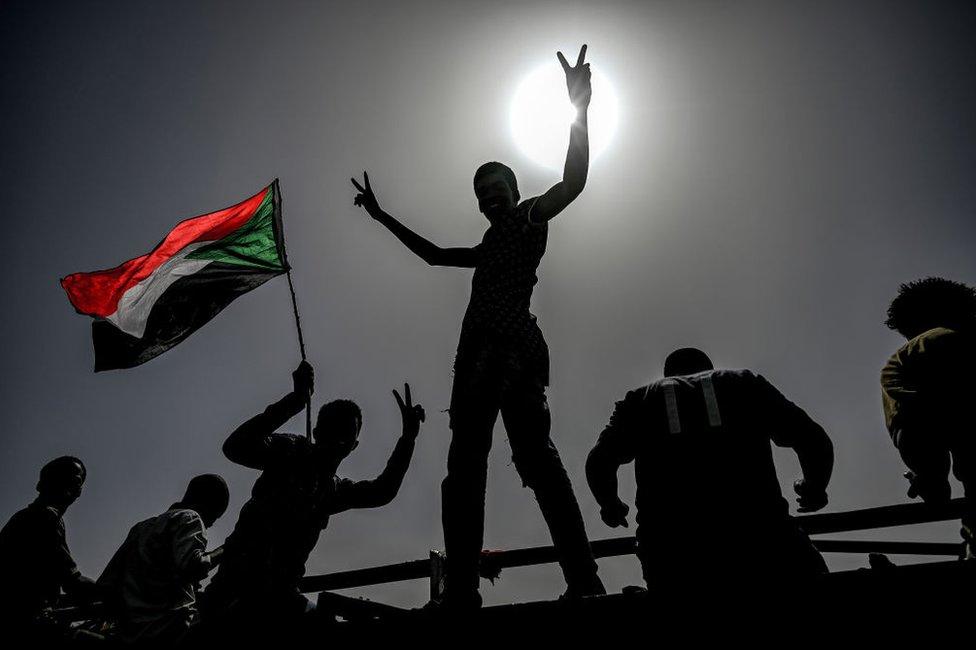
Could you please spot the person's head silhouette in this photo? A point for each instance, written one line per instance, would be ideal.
(337, 428)
(208, 495)
(496, 188)
(931, 302)
(686, 361)
(61, 481)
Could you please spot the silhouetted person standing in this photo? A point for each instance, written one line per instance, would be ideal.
(298, 490)
(502, 361)
(927, 388)
(708, 500)
(35, 563)
(151, 581)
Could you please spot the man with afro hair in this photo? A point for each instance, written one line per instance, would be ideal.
(927, 387)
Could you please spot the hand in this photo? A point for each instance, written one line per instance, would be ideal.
(808, 500)
(615, 515)
(411, 414)
(366, 199)
(577, 79)
(304, 379)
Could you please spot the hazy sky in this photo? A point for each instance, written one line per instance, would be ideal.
(778, 169)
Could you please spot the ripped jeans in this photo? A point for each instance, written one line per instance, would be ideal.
(483, 387)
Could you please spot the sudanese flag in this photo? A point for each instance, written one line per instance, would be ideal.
(147, 305)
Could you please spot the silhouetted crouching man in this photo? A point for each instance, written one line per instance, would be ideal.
(708, 500)
(291, 502)
(151, 581)
(502, 362)
(35, 563)
(927, 389)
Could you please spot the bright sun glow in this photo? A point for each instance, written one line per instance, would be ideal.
(541, 115)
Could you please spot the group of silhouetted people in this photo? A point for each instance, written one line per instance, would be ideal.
(708, 498)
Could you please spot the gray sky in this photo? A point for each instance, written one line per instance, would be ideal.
(777, 170)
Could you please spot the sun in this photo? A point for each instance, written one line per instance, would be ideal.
(541, 115)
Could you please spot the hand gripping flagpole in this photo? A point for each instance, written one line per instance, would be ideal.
(298, 320)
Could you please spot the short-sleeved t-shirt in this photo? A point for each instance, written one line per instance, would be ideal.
(154, 571)
(290, 505)
(498, 313)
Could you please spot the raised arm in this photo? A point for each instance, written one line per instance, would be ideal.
(421, 247)
(250, 443)
(577, 164)
(383, 489)
(613, 448)
(790, 426)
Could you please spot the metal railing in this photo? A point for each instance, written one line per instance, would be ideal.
(432, 568)
(814, 524)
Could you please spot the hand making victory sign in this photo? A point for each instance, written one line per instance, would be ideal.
(411, 414)
(577, 79)
(366, 199)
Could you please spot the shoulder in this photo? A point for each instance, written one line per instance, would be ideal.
(524, 213)
(635, 399)
(183, 515)
(736, 376)
(938, 338)
(289, 443)
(43, 516)
(931, 341)
(184, 518)
(20, 520)
(291, 438)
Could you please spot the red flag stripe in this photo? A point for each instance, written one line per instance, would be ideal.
(98, 293)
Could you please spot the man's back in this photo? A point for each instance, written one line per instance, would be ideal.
(153, 574)
(707, 435)
(706, 480)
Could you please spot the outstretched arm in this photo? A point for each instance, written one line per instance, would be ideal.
(613, 449)
(577, 164)
(250, 443)
(790, 426)
(421, 247)
(384, 488)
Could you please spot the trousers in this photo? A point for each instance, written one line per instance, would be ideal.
(477, 398)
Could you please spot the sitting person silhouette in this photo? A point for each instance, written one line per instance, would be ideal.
(708, 499)
(926, 387)
(35, 562)
(151, 581)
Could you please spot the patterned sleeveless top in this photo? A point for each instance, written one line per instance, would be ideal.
(498, 316)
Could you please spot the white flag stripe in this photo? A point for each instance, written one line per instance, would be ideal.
(134, 307)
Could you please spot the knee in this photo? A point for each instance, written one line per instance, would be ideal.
(540, 467)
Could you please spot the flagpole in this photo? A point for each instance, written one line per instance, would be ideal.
(301, 347)
(294, 306)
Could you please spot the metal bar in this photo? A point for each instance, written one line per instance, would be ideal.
(895, 548)
(831, 522)
(900, 515)
(364, 577)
